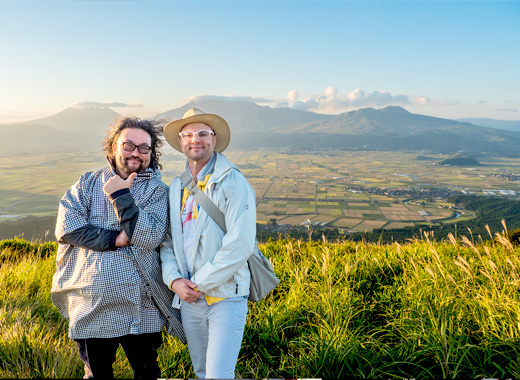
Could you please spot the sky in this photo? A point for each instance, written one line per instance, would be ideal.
(450, 59)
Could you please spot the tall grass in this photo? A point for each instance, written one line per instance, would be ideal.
(33, 340)
(425, 309)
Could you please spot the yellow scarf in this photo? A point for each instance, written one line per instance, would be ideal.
(185, 196)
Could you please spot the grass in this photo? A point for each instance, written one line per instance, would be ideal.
(425, 309)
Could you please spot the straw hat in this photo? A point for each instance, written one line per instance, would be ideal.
(195, 115)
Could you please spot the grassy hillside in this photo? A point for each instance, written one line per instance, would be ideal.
(424, 309)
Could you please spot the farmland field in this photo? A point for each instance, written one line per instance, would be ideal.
(352, 191)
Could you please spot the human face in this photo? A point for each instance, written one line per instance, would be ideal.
(131, 162)
(196, 149)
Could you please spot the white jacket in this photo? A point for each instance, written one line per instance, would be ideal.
(219, 259)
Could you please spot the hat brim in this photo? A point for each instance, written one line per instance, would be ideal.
(218, 124)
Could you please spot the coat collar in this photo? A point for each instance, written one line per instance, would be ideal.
(147, 174)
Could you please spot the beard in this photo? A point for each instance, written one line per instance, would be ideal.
(202, 155)
(130, 168)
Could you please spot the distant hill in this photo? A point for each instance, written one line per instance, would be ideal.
(460, 161)
(254, 126)
(64, 131)
(92, 120)
(508, 125)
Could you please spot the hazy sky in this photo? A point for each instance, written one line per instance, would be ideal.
(449, 59)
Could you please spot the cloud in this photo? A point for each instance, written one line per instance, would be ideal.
(333, 101)
(91, 104)
(229, 98)
(423, 100)
(306, 105)
(331, 92)
(510, 105)
(505, 110)
(293, 95)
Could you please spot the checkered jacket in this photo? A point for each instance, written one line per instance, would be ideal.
(111, 293)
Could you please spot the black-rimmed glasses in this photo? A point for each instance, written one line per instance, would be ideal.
(129, 147)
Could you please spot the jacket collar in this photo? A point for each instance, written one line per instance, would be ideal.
(218, 166)
(222, 167)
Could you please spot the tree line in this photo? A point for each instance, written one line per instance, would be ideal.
(489, 211)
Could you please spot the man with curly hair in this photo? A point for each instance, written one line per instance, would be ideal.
(108, 281)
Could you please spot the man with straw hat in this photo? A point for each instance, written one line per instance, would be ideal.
(204, 265)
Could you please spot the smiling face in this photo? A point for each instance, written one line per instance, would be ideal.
(197, 150)
(131, 162)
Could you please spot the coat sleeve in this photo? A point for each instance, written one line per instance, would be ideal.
(239, 241)
(170, 267)
(126, 210)
(74, 209)
(146, 220)
(91, 237)
(73, 226)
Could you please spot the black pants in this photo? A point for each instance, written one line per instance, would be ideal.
(99, 354)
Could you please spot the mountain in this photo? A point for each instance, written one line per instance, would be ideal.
(93, 120)
(395, 128)
(392, 120)
(72, 127)
(248, 117)
(389, 128)
(508, 125)
(254, 126)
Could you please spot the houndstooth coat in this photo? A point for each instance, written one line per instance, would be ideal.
(111, 293)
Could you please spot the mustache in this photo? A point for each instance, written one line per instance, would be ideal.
(133, 158)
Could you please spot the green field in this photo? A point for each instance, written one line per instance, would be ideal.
(332, 189)
(424, 310)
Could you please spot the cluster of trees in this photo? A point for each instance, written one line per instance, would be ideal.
(33, 228)
(489, 211)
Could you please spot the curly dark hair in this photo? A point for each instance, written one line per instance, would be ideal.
(153, 127)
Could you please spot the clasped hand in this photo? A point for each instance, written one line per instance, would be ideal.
(185, 289)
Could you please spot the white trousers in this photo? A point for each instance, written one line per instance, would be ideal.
(214, 333)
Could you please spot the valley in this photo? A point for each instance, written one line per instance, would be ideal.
(352, 191)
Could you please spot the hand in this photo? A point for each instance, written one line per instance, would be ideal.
(185, 289)
(117, 183)
(122, 239)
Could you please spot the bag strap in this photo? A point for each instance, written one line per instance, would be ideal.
(203, 200)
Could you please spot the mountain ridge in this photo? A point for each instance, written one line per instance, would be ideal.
(388, 128)
(509, 125)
